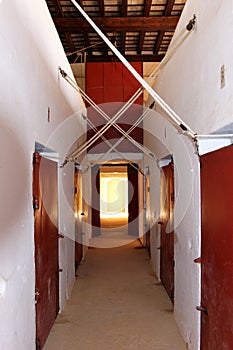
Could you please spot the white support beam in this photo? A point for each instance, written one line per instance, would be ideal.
(210, 144)
(173, 116)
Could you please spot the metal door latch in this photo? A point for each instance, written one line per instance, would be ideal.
(37, 296)
(202, 309)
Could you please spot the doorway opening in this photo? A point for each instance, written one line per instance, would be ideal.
(113, 196)
(167, 199)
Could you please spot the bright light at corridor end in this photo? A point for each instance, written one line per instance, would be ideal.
(113, 195)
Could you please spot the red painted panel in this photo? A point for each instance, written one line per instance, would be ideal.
(46, 246)
(167, 233)
(94, 75)
(131, 85)
(95, 82)
(96, 94)
(113, 93)
(114, 83)
(217, 250)
(111, 81)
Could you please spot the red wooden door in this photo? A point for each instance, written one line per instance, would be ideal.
(95, 200)
(217, 250)
(133, 200)
(167, 233)
(46, 246)
(78, 211)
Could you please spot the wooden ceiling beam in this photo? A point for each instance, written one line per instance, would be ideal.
(87, 43)
(130, 58)
(70, 42)
(141, 42)
(167, 12)
(101, 7)
(169, 7)
(147, 7)
(158, 42)
(123, 36)
(149, 24)
(124, 8)
(60, 13)
(58, 8)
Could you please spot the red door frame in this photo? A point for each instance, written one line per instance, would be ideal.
(45, 201)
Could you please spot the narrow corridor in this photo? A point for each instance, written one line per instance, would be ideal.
(116, 304)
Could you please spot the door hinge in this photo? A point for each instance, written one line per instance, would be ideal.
(37, 296)
(36, 157)
(38, 347)
(35, 203)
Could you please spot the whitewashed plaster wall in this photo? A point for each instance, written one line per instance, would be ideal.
(191, 84)
(186, 221)
(30, 83)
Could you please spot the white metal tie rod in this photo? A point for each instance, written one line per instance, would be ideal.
(176, 119)
(169, 55)
(125, 134)
(120, 140)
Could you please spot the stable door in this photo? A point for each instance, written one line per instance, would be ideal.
(46, 246)
(217, 250)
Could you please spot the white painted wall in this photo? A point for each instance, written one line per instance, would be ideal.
(30, 83)
(190, 84)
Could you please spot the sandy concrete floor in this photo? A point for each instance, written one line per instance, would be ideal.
(116, 304)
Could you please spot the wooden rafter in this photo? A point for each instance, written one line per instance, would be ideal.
(136, 34)
(169, 7)
(124, 8)
(87, 42)
(123, 35)
(101, 8)
(130, 58)
(167, 12)
(68, 38)
(158, 41)
(147, 7)
(150, 24)
(141, 42)
(58, 8)
(70, 42)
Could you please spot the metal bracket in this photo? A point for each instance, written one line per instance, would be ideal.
(202, 309)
